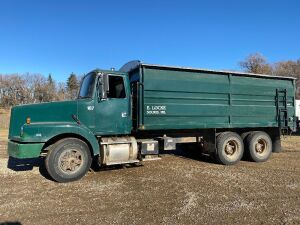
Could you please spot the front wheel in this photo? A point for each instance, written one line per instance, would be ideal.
(68, 160)
(230, 148)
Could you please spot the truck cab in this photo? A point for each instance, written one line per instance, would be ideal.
(102, 109)
(104, 99)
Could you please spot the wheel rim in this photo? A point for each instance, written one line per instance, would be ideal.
(261, 146)
(231, 149)
(70, 161)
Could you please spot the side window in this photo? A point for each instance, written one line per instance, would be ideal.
(116, 87)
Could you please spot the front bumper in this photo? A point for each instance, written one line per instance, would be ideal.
(24, 150)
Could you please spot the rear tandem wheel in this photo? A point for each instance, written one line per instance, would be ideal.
(229, 148)
(259, 146)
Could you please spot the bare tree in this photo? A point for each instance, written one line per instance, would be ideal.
(256, 63)
(12, 89)
(28, 88)
(61, 91)
(287, 68)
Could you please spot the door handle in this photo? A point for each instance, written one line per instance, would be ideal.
(124, 114)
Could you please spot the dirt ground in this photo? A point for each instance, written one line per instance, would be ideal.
(174, 190)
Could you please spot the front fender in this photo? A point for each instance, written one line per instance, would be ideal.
(43, 132)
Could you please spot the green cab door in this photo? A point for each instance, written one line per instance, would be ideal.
(112, 114)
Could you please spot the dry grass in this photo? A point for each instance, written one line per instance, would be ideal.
(290, 143)
(3, 143)
(3, 134)
(4, 118)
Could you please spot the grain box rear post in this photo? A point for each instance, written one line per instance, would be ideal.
(298, 114)
(184, 98)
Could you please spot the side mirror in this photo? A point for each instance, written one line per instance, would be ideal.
(105, 82)
(103, 87)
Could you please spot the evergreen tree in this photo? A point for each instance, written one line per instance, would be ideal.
(72, 86)
(50, 89)
(50, 80)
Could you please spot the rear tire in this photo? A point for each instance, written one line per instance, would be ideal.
(259, 146)
(68, 160)
(245, 135)
(230, 148)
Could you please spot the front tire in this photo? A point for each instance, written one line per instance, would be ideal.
(230, 148)
(259, 146)
(68, 160)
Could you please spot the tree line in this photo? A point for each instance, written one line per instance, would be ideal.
(27, 88)
(257, 63)
(34, 88)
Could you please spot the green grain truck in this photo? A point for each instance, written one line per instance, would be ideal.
(121, 117)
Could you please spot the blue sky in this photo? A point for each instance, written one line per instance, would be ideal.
(64, 36)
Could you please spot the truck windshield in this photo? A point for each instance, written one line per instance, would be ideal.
(87, 86)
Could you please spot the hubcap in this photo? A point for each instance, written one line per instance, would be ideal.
(260, 146)
(231, 148)
(70, 161)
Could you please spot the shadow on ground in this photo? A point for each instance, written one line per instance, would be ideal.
(189, 152)
(10, 223)
(27, 165)
(23, 164)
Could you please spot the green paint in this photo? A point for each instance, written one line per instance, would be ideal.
(24, 150)
(201, 99)
(113, 115)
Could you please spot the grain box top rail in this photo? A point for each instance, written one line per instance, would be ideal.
(135, 64)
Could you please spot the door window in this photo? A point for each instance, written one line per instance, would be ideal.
(116, 87)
